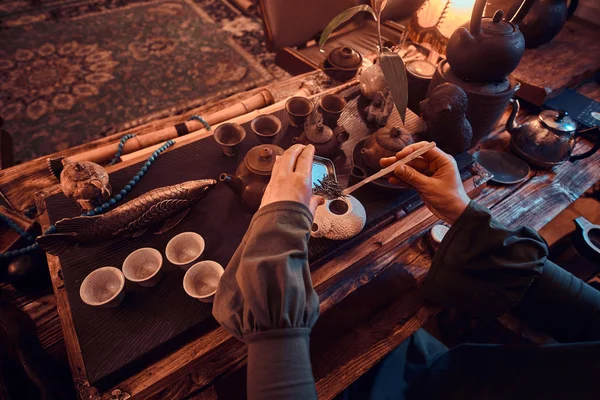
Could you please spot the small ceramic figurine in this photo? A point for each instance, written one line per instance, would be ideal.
(339, 219)
(162, 208)
(380, 108)
(445, 113)
(253, 174)
(386, 142)
(85, 182)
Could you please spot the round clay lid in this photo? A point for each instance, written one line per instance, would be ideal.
(319, 133)
(344, 58)
(260, 159)
(558, 121)
(394, 139)
(421, 68)
(496, 25)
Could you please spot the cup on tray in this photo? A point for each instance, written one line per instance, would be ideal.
(332, 106)
(103, 287)
(185, 248)
(266, 128)
(202, 279)
(143, 267)
(299, 108)
(230, 137)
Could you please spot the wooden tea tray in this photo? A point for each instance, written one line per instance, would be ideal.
(115, 344)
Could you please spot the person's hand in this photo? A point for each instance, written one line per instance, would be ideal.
(291, 179)
(435, 176)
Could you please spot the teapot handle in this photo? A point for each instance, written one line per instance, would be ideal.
(476, 16)
(519, 10)
(590, 131)
(572, 8)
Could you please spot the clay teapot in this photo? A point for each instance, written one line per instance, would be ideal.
(253, 174)
(322, 137)
(489, 51)
(549, 140)
(386, 142)
(541, 20)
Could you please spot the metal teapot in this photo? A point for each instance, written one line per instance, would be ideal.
(488, 51)
(549, 140)
(253, 174)
(541, 20)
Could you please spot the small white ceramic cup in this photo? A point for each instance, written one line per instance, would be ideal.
(202, 279)
(185, 248)
(103, 287)
(143, 266)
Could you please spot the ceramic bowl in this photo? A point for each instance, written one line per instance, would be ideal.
(299, 108)
(230, 137)
(202, 279)
(143, 267)
(103, 287)
(184, 249)
(266, 128)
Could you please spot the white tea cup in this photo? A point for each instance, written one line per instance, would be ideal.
(202, 279)
(103, 287)
(143, 266)
(184, 248)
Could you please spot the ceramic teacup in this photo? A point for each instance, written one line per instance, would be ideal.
(103, 287)
(266, 128)
(202, 279)
(299, 108)
(332, 106)
(230, 137)
(143, 266)
(185, 248)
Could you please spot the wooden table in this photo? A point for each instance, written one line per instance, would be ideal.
(367, 306)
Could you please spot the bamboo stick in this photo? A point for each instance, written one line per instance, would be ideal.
(106, 153)
(242, 119)
(391, 168)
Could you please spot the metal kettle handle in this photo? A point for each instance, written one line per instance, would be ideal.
(516, 14)
(572, 8)
(590, 131)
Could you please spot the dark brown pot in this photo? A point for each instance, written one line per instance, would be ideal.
(487, 101)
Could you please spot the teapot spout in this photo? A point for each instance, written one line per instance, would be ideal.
(233, 182)
(511, 124)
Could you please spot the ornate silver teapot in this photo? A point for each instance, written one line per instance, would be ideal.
(549, 140)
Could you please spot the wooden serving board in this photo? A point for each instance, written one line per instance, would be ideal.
(152, 322)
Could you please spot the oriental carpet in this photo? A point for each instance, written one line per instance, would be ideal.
(73, 71)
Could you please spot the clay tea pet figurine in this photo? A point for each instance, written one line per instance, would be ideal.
(379, 110)
(161, 208)
(85, 182)
(445, 114)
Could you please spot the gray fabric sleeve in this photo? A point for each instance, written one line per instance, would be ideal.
(484, 269)
(266, 299)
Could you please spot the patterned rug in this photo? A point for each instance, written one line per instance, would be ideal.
(73, 71)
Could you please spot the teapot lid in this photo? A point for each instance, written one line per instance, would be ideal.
(394, 139)
(497, 26)
(345, 58)
(319, 133)
(260, 159)
(558, 120)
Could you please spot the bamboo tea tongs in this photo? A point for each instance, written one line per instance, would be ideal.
(391, 168)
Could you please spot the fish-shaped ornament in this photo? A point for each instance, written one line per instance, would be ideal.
(85, 182)
(167, 205)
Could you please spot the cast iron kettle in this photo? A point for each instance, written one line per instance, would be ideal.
(549, 140)
(253, 174)
(541, 20)
(488, 51)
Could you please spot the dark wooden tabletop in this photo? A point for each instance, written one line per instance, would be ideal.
(368, 307)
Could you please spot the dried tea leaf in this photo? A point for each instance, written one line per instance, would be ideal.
(328, 188)
(378, 5)
(341, 18)
(394, 72)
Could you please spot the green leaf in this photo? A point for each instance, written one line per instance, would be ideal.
(395, 76)
(341, 18)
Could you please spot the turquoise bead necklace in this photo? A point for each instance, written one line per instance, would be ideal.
(98, 210)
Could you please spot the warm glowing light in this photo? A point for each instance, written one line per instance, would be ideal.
(445, 15)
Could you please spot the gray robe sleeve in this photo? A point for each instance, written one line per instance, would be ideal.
(266, 299)
(485, 269)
